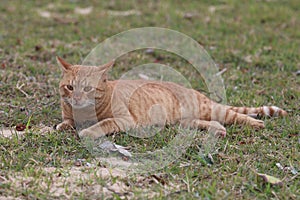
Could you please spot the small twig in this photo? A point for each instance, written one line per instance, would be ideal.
(8, 104)
(187, 184)
(275, 195)
(50, 104)
(19, 87)
(293, 177)
(15, 58)
(221, 72)
(225, 148)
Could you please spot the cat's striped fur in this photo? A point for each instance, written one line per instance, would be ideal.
(125, 104)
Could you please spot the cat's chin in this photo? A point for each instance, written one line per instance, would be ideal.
(82, 106)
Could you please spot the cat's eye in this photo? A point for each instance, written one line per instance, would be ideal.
(70, 87)
(87, 88)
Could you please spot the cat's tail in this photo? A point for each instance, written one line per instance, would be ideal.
(269, 111)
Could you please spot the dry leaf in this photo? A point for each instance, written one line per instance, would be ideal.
(189, 15)
(44, 14)
(118, 187)
(143, 76)
(248, 59)
(20, 127)
(124, 13)
(109, 146)
(267, 48)
(65, 20)
(123, 150)
(270, 179)
(9, 132)
(213, 9)
(83, 11)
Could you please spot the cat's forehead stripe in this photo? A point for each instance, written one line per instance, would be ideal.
(79, 82)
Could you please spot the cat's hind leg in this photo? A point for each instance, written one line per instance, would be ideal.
(204, 125)
(233, 117)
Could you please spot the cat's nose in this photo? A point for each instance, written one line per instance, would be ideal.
(76, 97)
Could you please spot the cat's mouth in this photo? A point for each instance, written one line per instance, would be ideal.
(80, 105)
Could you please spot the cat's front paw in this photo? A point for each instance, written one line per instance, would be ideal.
(89, 133)
(64, 126)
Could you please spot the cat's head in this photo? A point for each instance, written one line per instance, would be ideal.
(81, 85)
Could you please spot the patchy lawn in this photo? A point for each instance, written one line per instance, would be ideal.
(257, 42)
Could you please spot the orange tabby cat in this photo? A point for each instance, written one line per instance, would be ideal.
(125, 104)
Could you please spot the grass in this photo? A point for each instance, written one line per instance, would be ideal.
(256, 41)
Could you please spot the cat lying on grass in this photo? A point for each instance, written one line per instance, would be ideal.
(121, 105)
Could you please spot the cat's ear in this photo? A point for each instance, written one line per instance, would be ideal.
(104, 68)
(107, 66)
(63, 64)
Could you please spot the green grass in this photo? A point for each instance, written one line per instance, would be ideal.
(231, 31)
